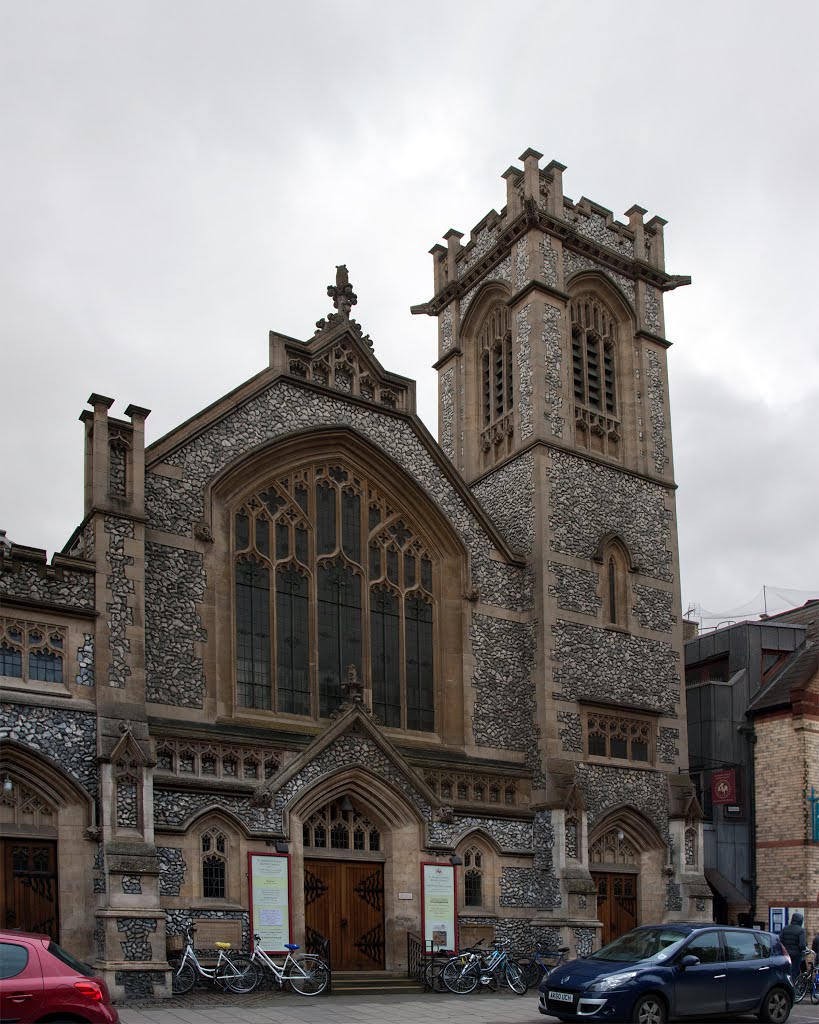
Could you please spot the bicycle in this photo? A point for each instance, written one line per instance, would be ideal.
(237, 973)
(542, 962)
(806, 979)
(308, 975)
(464, 972)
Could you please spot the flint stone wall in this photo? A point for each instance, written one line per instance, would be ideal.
(174, 586)
(68, 588)
(574, 589)
(68, 738)
(605, 788)
(504, 709)
(589, 501)
(602, 664)
(652, 607)
(508, 495)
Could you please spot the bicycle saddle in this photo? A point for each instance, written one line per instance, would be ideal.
(222, 945)
(291, 946)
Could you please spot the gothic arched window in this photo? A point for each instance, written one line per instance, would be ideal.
(473, 877)
(351, 581)
(497, 376)
(214, 864)
(594, 374)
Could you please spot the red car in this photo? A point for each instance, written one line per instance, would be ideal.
(40, 981)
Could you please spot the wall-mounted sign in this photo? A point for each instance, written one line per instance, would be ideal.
(439, 906)
(724, 786)
(404, 895)
(269, 875)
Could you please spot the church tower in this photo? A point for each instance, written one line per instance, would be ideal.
(553, 405)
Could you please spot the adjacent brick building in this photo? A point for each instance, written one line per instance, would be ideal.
(298, 621)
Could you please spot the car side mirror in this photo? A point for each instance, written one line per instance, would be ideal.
(689, 961)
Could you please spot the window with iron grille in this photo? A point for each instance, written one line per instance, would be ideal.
(324, 562)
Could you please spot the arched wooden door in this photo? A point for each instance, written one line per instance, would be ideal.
(344, 902)
(29, 886)
(616, 903)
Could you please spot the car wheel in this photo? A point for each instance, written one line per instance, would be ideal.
(650, 1010)
(775, 1007)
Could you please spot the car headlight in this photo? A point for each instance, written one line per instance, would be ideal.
(612, 981)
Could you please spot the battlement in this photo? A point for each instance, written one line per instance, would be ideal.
(534, 195)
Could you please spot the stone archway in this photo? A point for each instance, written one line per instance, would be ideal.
(47, 860)
(356, 844)
(626, 857)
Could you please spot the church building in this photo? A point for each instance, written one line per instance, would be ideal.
(301, 661)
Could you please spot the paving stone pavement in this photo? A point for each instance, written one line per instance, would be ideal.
(202, 1007)
(376, 1008)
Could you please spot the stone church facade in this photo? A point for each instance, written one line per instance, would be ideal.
(300, 622)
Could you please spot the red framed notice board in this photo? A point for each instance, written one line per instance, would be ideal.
(439, 906)
(270, 906)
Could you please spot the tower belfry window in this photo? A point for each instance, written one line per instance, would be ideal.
(496, 375)
(594, 375)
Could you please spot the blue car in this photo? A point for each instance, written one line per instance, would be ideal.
(665, 972)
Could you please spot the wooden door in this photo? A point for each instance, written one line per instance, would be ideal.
(29, 886)
(616, 903)
(344, 902)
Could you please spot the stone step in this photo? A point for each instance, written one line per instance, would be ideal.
(373, 981)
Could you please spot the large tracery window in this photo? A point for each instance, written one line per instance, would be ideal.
(351, 581)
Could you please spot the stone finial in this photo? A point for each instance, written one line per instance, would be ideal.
(342, 294)
(344, 298)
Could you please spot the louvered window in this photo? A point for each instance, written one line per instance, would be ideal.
(497, 365)
(594, 334)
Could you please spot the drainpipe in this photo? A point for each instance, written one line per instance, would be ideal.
(750, 738)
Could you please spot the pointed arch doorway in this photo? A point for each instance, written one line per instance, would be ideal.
(344, 885)
(625, 860)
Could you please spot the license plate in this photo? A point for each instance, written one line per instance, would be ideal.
(561, 997)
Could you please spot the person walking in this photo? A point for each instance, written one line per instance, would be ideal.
(794, 938)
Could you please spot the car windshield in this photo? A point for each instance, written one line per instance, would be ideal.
(641, 944)
(71, 961)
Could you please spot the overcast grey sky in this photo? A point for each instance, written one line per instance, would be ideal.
(178, 178)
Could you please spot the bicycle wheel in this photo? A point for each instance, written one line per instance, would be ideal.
(800, 987)
(182, 978)
(515, 978)
(814, 987)
(309, 976)
(531, 971)
(239, 974)
(459, 977)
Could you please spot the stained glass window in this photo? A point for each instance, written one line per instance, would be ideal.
(353, 589)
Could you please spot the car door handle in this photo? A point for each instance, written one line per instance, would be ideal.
(763, 968)
(718, 976)
(20, 996)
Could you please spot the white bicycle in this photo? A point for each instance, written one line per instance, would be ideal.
(308, 975)
(237, 972)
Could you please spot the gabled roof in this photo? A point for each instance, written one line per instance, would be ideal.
(795, 674)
